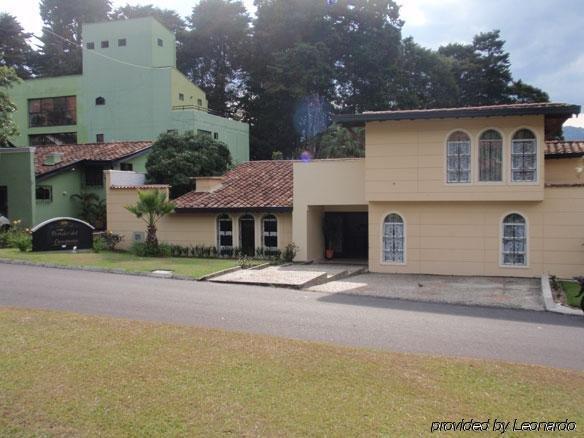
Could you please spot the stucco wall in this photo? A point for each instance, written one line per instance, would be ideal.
(563, 171)
(405, 160)
(464, 238)
(318, 184)
(183, 228)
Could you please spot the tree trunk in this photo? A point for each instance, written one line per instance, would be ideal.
(151, 239)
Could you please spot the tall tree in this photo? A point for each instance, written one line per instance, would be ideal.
(61, 39)
(171, 19)
(425, 79)
(525, 93)
(8, 128)
(212, 52)
(15, 51)
(482, 71)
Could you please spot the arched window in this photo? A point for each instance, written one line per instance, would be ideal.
(270, 232)
(458, 157)
(491, 156)
(524, 156)
(224, 234)
(100, 101)
(514, 240)
(393, 239)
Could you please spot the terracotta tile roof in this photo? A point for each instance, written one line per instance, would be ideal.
(75, 153)
(561, 148)
(251, 185)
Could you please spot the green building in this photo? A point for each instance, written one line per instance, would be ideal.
(130, 89)
(129, 93)
(40, 183)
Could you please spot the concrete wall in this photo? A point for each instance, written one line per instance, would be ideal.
(464, 238)
(405, 160)
(318, 186)
(17, 174)
(63, 185)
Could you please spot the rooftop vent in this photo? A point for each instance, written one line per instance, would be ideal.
(53, 158)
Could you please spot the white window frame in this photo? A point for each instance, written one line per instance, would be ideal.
(470, 160)
(219, 233)
(537, 157)
(502, 263)
(382, 239)
(503, 155)
(270, 217)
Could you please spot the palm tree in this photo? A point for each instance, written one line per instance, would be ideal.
(152, 206)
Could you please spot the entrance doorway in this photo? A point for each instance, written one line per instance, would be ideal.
(247, 235)
(3, 201)
(350, 235)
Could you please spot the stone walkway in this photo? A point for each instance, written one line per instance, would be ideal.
(518, 293)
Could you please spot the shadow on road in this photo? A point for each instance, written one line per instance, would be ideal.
(530, 316)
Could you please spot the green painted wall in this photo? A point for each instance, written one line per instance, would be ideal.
(47, 87)
(140, 85)
(17, 173)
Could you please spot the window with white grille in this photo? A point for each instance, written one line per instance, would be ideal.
(458, 157)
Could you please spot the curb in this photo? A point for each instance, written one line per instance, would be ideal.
(218, 273)
(104, 270)
(550, 304)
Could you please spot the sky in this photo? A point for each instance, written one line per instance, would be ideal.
(544, 37)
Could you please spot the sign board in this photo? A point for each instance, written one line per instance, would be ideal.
(62, 233)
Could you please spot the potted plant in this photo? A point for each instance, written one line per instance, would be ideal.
(329, 229)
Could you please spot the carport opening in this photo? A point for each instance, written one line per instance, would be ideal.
(346, 234)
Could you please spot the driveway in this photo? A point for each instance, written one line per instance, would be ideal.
(439, 329)
(514, 293)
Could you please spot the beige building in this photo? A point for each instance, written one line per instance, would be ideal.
(462, 191)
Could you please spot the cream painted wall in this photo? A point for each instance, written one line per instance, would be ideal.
(464, 238)
(335, 182)
(405, 160)
(182, 228)
(563, 171)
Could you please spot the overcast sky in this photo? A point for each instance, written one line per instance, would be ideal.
(545, 37)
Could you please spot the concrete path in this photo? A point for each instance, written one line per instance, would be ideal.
(439, 329)
(515, 293)
(296, 276)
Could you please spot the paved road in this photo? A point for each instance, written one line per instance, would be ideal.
(510, 335)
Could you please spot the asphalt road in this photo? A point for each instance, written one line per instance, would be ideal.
(439, 329)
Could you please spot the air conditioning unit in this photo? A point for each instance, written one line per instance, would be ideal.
(53, 158)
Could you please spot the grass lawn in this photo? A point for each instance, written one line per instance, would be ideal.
(190, 267)
(571, 289)
(68, 374)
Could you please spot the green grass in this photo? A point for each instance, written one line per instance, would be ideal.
(189, 267)
(571, 290)
(68, 374)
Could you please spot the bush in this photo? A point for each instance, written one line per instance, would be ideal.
(111, 239)
(142, 249)
(245, 262)
(289, 252)
(99, 244)
(16, 237)
(4, 239)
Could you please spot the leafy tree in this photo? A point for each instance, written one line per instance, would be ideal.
(8, 128)
(339, 142)
(212, 52)
(61, 38)
(152, 206)
(482, 71)
(175, 159)
(92, 209)
(15, 52)
(425, 79)
(168, 17)
(523, 93)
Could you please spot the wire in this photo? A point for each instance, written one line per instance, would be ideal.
(103, 55)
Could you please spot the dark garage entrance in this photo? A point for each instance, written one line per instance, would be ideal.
(350, 231)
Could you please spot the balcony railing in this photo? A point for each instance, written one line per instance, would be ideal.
(197, 108)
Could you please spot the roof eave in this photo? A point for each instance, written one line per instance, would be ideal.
(232, 209)
(361, 119)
